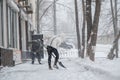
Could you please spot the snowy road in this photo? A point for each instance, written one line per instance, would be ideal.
(76, 70)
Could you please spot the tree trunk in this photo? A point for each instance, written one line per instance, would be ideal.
(89, 24)
(116, 28)
(111, 54)
(88, 18)
(77, 28)
(114, 17)
(93, 38)
(83, 30)
(54, 17)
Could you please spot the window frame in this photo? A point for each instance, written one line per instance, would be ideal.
(12, 28)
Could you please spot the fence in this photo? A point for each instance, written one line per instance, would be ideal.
(101, 51)
(65, 53)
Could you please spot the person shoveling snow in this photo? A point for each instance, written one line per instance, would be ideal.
(52, 45)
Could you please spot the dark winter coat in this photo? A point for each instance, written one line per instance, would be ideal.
(35, 46)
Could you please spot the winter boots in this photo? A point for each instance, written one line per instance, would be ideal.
(49, 65)
(50, 68)
(39, 61)
(55, 66)
(32, 62)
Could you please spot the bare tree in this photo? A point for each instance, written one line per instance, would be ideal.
(77, 28)
(89, 23)
(83, 30)
(43, 11)
(95, 28)
(93, 36)
(114, 20)
(88, 18)
(111, 55)
(54, 17)
(116, 28)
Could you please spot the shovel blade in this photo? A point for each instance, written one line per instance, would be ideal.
(60, 63)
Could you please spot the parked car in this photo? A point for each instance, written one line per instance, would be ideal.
(66, 45)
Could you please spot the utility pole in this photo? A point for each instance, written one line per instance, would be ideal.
(38, 26)
(54, 17)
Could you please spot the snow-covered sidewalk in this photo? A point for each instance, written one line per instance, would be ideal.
(77, 69)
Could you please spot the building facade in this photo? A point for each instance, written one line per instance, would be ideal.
(15, 28)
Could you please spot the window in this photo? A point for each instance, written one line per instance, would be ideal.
(12, 28)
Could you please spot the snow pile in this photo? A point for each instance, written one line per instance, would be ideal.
(102, 67)
(77, 69)
(102, 50)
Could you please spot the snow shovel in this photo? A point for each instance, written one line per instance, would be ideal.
(60, 63)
